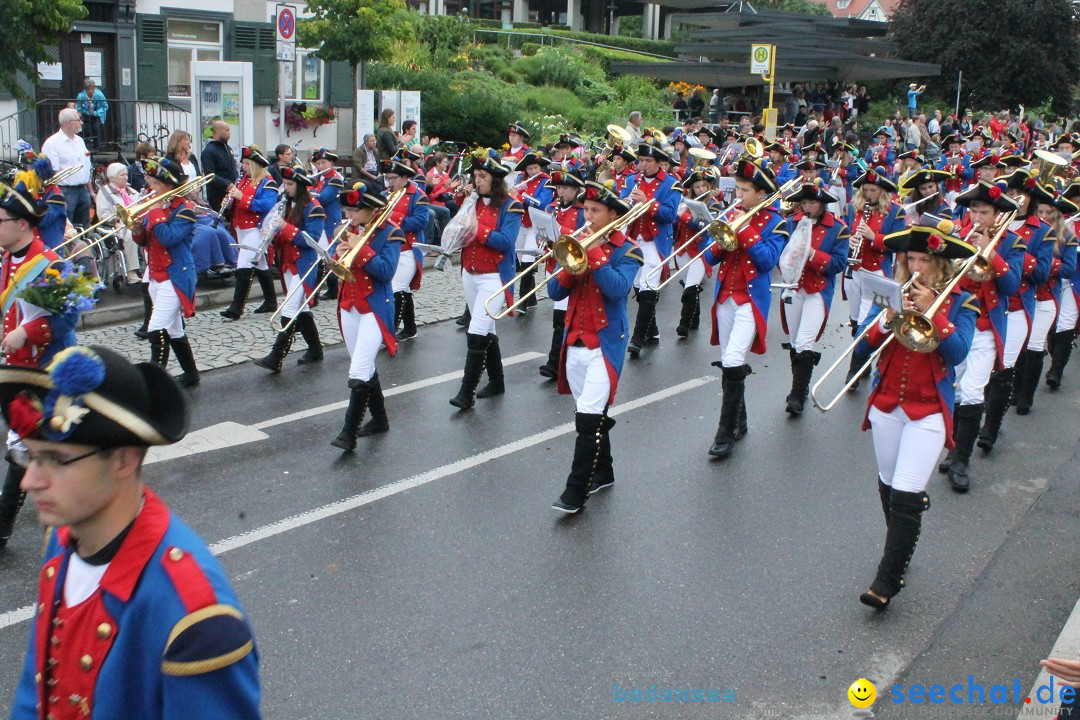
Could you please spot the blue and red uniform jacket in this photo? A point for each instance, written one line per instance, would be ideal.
(168, 239)
(543, 195)
(493, 248)
(1062, 270)
(46, 335)
(881, 156)
(1038, 237)
(622, 179)
(875, 256)
(327, 191)
(687, 227)
(162, 638)
(412, 217)
(518, 153)
(570, 218)
(656, 224)
(830, 241)
(596, 311)
(993, 295)
(922, 383)
(744, 273)
(370, 290)
(1075, 279)
(257, 200)
(961, 172)
(293, 252)
(784, 172)
(52, 226)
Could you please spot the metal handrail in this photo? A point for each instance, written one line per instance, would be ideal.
(563, 38)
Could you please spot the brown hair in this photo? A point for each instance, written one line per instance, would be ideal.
(174, 142)
(294, 207)
(384, 118)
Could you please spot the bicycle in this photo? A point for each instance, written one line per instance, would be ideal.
(159, 139)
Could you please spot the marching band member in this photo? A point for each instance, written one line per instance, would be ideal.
(787, 139)
(923, 186)
(910, 406)
(987, 168)
(1065, 329)
(910, 163)
(1038, 239)
(517, 137)
(1051, 209)
(365, 312)
(532, 192)
(31, 339)
(622, 161)
(872, 216)
(804, 317)
(570, 214)
(564, 158)
(652, 232)
(781, 169)
(412, 218)
(708, 139)
(487, 263)
(295, 255)
(879, 154)
(740, 307)
(683, 160)
(594, 347)
(36, 177)
(328, 186)
(167, 234)
(983, 137)
(815, 153)
(809, 170)
(957, 165)
(984, 204)
(845, 174)
(253, 197)
(702, 181)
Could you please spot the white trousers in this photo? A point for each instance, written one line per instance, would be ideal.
(907, 450)
(1067, 313)
(586, 372)
(736, 331)
(479, 288)
(1015, 334)
(294, 301)
(558, 304)
(695, 273)
(805, 316)
(974, 372)
(1045, 314)
(363, 338)
(652, 258)
(168, 314)
(405, 272)
(245, 258)
(859, 303)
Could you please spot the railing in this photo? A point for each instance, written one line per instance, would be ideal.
(126, 123)
(549, 39)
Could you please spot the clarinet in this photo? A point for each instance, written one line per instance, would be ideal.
(855, 258)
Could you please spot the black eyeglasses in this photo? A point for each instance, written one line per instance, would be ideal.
(4, 220)
(46, 459)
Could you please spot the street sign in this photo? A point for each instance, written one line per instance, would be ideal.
(760, 55)
(285, 26)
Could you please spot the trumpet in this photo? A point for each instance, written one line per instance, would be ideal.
(826, 406)
(980, 269)
(572, 255)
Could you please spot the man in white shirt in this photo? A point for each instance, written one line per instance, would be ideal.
(633, 128)
(934, 126)
(912, 137)
(65, 149)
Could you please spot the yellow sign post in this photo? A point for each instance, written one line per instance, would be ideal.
(763, 62)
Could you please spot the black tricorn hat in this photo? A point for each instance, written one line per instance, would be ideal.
(989, 193)
(91, 395)
(605, 195)
(936, 240)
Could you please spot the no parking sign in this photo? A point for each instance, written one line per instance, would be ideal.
(285, 23)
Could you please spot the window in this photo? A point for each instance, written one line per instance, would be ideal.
(190, 40)
(304, 78)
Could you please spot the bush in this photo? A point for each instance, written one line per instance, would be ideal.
(529, 48)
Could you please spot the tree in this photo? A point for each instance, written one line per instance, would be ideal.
(354, 31)
(31, 28)
(1011, 52)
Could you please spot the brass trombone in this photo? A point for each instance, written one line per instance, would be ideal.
(572, 255)
(63, 174)
(324, 257)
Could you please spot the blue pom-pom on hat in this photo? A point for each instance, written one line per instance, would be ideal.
(76, 371)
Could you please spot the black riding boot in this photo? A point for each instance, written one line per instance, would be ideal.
(182, 350)
(495, 385)
(998, 390)
(528, 284)
(354, 415)
(465, 319)
(408, 318)
(474, 368)
(1060, 350)
(159, 347)
(310, 332)
(604, 477)
(695, 321)
(147, 309)
(686, 317)
(646, 312)
(399, 308)
(966, 421)
(734, 383)
(282, 344)
(904, 526)
(1018, 374)
(241, 288)
(379, 422)
(11, 499)
(857, 361)
(802, 367)
(885, 494)
(652, 335)
(550, 369)
(331, 291)
(587, 450)
(1029, 380)
(266, 282)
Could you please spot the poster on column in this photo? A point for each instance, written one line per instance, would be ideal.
(410, 108)
(391, 100)
(365, 115)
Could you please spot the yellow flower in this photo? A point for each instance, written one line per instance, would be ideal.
(52, 272)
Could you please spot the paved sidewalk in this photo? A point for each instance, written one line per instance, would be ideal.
(218, 343)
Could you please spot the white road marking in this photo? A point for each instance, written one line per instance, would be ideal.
(13, 617)
(215, 437)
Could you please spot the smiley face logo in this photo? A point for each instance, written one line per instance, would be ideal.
(862, 693)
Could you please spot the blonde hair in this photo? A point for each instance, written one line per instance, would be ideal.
(941, 271)
(258, 172)
(881, 206)
(175, 139)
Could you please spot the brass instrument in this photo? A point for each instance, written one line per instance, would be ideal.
(712, 228)
(726, 234)
(324, 257)
(656, 133)
(616, 136)
(572, 255)
(63, 174)
(753, 147)
(980, 269)
(701, 157)
(825, 407)
(1051, 168)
